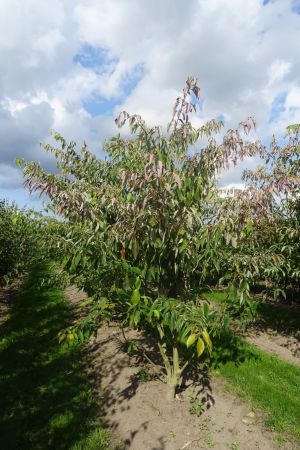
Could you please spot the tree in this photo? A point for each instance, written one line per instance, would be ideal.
(147, 222)
(18, 240)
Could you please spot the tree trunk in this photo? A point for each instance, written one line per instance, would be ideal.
(171, 392)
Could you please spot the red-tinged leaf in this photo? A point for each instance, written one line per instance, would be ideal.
(177, 179)
(159, 168)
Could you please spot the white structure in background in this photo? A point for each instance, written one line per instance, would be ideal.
(227, 190)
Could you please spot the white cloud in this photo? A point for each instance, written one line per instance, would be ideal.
(245, 55)
(293, 98)
(10, 177)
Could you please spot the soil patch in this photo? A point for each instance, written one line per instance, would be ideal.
(143, 419)
(140, 414)
(286, 347)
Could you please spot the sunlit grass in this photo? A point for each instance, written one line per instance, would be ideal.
(263, 380)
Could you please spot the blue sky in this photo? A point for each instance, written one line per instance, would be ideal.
(74, 70)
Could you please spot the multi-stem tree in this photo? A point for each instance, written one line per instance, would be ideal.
(148, 221)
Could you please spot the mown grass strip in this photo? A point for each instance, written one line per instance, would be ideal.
(46, 399)
(265, 381)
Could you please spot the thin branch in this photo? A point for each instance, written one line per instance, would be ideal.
(156, 367)
(165, 358)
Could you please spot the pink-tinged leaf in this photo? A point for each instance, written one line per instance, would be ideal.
(159, 168)
(144, 203)
(146, 172)
(177, 179)
(246, 128)
(152, 158)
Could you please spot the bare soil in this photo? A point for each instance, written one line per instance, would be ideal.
(285, 346)
(142, 417)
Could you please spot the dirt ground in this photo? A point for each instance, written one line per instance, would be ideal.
(137, 409)
(140, 414)
(287, 347)
(142, 418)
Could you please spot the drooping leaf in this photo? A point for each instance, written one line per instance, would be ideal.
(135, 296)
(191, 340)
(86, 302)
(135, 248)
(200, 347)
(207, 339)
(138, 283)
(183, 246)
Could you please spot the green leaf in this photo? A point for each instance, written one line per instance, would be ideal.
(155, 312)
(86, 302)
(136, 270)
(207, 339)
(135, 248)
(61, 336)
(19, 161)
(75, 262)
(135, 296)
(244, 286)
(232, 292)
(81, 336)
(158, 242)
(191, 340)
(249, 226)
(136, 317)
(200, 347)
(138, 283)
(183, 246)
(70, 337)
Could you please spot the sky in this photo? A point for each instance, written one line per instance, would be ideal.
(73, 65)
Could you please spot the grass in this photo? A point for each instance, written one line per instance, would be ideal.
(265, 381)
(46, 399)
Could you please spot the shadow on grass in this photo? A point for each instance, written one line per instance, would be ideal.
(281, 317)
(46, 400)
(229, 348)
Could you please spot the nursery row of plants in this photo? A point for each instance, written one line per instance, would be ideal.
(146, 231)
(47, 400)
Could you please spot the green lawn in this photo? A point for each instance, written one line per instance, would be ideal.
(265, 381)
(46, 399)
